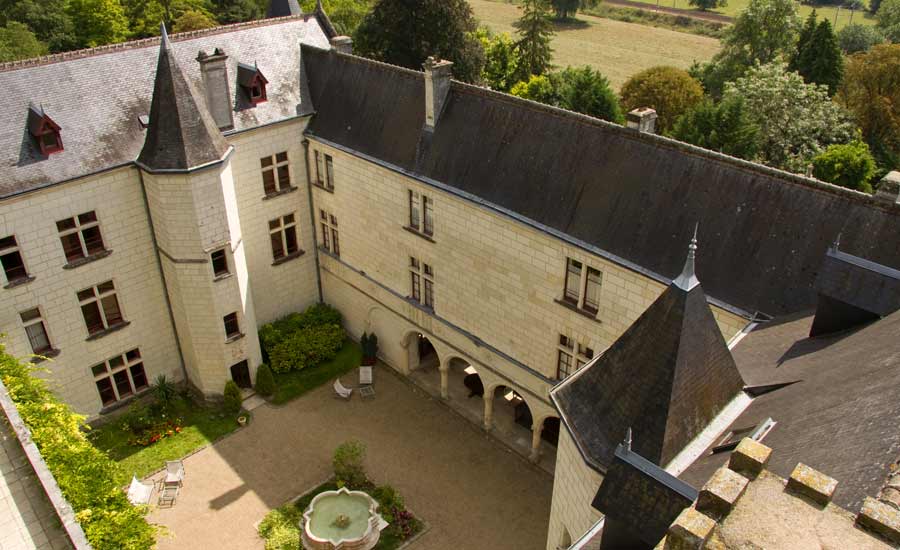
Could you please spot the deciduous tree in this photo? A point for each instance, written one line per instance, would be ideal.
(725, 127)
(669, 90)
(846, 164)
(567, 8)
(501, 60)
(406, 32)
(705, 5)
(859, 38)
(579, 89)
(193, 21)
(47, 19)
(98, 22)
(535, 33)
(18, 42)
(889, 19)
(797, 120)
(345, 15)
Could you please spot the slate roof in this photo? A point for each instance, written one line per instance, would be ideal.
(631, 196)
(283, 8)
(182, 133)
(841, 415)
(641, 497)
(666, 378)
(859, 282)
(96, 96)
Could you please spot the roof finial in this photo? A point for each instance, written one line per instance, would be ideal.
(164, 41)
(688, 278)
(837, 242)
(628, 439)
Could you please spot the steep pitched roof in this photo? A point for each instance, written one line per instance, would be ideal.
(627, 195)
(666, 378)
(859, 282)
(97, 96)
(840, 414)
(283, 8)
(182, 134)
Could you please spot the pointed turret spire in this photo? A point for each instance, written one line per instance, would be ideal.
(836, 245)
(688, 278)
(182, 134)
(628, 439)
(283, 8)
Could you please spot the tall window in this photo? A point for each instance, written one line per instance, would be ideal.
(119, 377)
(421, 282)
(232, 328)
(582, 286)
(283, 234)
(100, 308)
(330, 239)
(276, 173)
(80, 236)
(324, 170)
(36, 331)
(11, 259)
(421, 212)
(571, 356)
(219, 262)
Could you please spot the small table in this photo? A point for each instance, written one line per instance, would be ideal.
(367, 392)
(168, 494)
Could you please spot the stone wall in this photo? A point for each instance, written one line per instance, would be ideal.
(574, 487)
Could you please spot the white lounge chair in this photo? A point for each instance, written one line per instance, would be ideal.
(341, 391)
(139, 492)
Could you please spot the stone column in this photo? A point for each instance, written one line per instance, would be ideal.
(445, 380)
(488, 410)
(536, 442)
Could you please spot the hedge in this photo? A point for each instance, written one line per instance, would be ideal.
(271, 334)
(307, 347)
(85, 475)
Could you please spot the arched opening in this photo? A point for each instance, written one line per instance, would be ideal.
(422, 355)
(512, 418)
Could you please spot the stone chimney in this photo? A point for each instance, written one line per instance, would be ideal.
(643, 120)
(215, 84)
(342, 44)
(889, 188)
(437, 85)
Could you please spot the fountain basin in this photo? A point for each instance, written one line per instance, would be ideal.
(342, 519)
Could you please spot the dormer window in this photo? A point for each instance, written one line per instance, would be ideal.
(44, 130)
(252, 81)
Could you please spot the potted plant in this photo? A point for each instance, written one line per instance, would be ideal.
(369, 344)
(242, 420)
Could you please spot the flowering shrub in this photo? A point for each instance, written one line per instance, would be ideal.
(161, 430)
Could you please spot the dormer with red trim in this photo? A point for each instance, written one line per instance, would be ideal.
(252, 81)
(44, 130)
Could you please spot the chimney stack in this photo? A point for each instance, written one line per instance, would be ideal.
(342, 44)
(643, 120)
(889, 188)
(437, 86)
(215, 84)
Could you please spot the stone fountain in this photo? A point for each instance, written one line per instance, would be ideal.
(341, 520)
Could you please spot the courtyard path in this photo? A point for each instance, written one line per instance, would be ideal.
(473, 492)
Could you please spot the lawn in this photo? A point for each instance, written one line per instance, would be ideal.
(295, 383)
(202, 425)
(281, 528)
(617, 49)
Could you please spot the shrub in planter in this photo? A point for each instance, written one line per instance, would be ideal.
(273, 334)
(232, 397)
(265, 382)
(165, 393)
(387, 497)
(307, 347)
(348, 464)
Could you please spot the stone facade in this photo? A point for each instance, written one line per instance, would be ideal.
(574, 487)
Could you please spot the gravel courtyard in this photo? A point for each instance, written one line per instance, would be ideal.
(471, 491)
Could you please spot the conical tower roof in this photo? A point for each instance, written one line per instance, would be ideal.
(666, 378)
(283, 8)
(182, 134)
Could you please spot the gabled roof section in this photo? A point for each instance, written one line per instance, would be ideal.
(283, 8)
(247, 74)
(39, 121)
(625, 195)
(182, 134)
(859, 282)
(666, 378)
(324, 20)
(640, 499)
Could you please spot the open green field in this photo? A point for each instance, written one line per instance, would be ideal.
(840, 18)
(617, 49)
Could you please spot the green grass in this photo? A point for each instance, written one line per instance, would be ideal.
(661, 20)
(293, 384)
(202, 425)
(281, 527)
(615, 48)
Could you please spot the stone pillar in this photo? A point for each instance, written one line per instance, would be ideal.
(488, 410)
(536, 442)
(445, 380)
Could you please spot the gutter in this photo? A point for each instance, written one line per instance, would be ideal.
(63, 509)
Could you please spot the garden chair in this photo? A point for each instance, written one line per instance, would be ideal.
(365, 376)
(139, 492)
(174, 472)
(168, 494)
(340, 390)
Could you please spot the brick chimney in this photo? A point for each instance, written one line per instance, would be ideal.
(215, 84)
(342, 44)
(889, 188)
(643, 120)
(437, 86)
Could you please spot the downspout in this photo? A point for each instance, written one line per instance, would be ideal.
(162, 277)
(312, 218)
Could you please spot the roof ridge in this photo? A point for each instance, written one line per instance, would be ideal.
(144, 42)
(685, 147)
